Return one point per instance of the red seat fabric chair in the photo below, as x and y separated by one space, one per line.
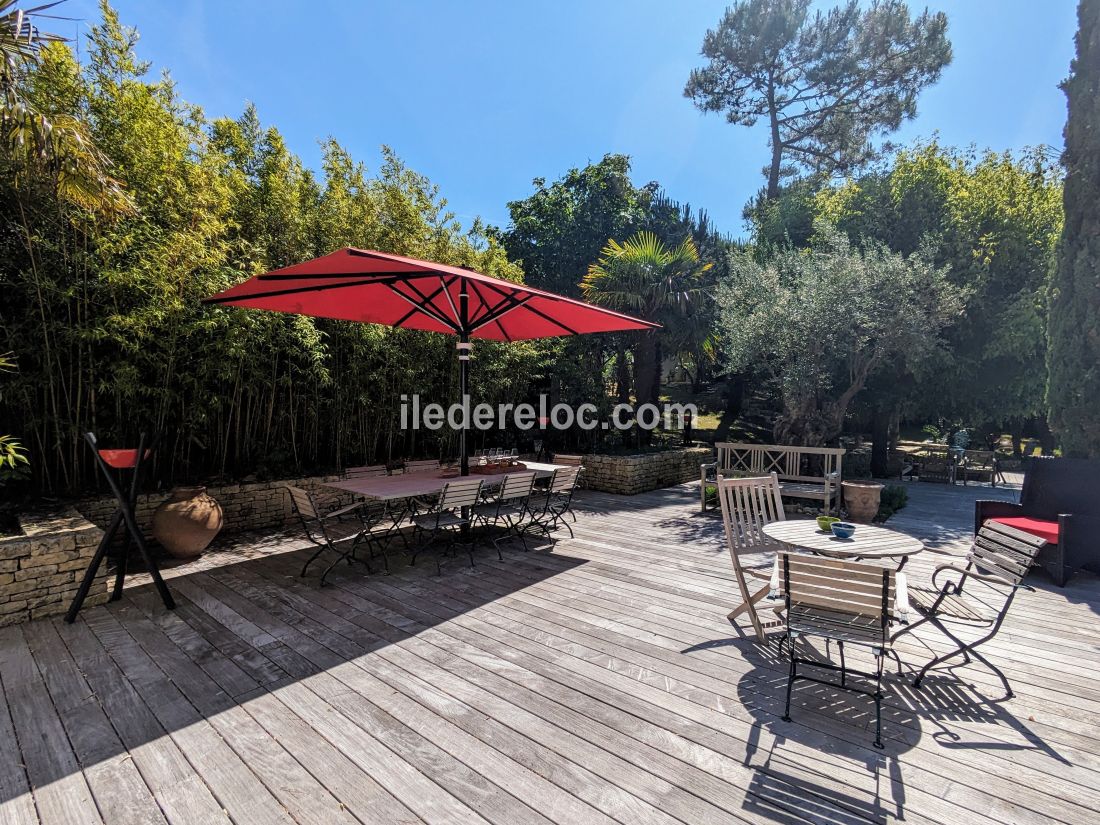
1042 528
1060 502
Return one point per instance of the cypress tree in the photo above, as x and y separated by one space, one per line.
1073 390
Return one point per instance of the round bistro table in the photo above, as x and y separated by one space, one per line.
868 543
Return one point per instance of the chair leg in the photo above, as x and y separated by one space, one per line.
960 649
1009 693
878 701
843 670
312 559
790 678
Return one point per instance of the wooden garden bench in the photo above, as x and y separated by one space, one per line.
804 472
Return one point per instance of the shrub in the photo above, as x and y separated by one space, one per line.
894 497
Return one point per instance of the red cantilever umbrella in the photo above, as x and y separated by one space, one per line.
378 288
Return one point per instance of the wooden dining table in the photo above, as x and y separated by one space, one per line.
427 482
868 543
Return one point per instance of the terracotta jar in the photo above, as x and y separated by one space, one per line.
186 522
861 499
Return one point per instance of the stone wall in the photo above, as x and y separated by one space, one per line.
632 474
41 569
255 506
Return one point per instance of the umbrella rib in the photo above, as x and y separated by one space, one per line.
542 315
445 288
416 307
430 312
228 299
497 313
429 302
489 310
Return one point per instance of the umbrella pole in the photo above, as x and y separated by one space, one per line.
463 378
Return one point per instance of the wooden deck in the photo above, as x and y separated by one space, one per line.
597 683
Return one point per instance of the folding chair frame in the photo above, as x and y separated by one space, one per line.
879 652
1006 555
313 523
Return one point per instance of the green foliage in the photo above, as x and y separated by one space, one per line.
993 221
894 497
826 85
644 277
102 306
822 321
1074 357
561 228
13 458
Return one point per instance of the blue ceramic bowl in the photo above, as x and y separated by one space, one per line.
842 529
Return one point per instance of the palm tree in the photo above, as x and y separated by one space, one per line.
57 140
644 277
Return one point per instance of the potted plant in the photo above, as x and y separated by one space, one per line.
861 499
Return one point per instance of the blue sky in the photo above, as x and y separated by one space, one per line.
482 96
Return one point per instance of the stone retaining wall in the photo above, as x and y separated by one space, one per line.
41 569
254 506
632 474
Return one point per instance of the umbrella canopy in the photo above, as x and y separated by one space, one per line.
378 288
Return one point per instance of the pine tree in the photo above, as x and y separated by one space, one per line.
1074 328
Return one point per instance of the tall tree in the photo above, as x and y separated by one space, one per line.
993 220
1074 356
645 277
822 322
827 85
560 229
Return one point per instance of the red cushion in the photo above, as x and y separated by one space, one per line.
1036 526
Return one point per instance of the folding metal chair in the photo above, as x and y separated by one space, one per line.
133 460
509 505
448 516
999 559
747 505
340 531
842 601
550 510
373 513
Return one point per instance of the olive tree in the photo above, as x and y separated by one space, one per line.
822 321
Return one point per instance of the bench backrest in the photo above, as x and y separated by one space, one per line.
1061 485
788 462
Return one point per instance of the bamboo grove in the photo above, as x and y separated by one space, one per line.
100 307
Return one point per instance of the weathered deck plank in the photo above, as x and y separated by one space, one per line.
599 682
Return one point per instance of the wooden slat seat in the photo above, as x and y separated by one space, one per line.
922 598
859 628
802 489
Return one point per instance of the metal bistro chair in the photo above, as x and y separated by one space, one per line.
747 505
998 560
374 513
509 506
556 503
339 530
449 515
843 601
